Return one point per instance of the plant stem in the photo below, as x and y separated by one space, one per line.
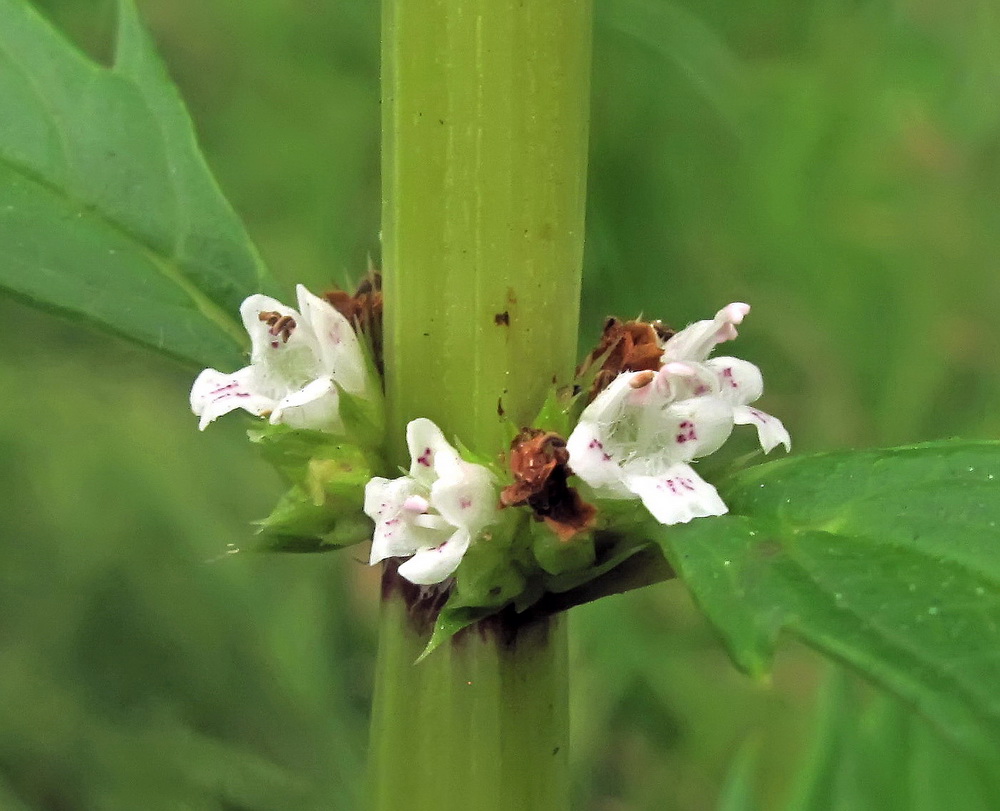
485 114
482 723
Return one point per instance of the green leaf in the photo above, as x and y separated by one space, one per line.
875 754
887 560
108 212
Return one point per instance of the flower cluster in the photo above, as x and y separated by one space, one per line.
433 513
299 362
661 403
638 436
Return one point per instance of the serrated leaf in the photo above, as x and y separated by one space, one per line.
887 560
108 212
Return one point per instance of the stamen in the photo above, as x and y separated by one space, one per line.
280 325
642 380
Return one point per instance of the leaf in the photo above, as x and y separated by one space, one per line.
877 755
108 212
886 560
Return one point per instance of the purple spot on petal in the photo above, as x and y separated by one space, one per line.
465 503
597 445
425 458
677 485
687 434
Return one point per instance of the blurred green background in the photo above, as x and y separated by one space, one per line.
833 162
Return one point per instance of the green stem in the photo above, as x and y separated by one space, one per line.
482 723
485 114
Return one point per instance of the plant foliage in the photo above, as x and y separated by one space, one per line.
108 212
885 559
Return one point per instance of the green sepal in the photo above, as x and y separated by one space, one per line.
322 509
293 450
491 463
632 567
363 418
489 576
298 524
510 432
556 556
450 621
558 413
615 549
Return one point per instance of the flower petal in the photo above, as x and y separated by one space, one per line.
610 404
214 394
433 564
592 462
428 450
681 431
466 496
740 382
679 380
315 406
678 495
696 342
283 354
770 430
336 342
385 504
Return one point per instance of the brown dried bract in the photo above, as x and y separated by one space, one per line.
540 464
364 310
625 346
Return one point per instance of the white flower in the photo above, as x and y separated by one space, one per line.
297 361
434 513
740 382
638 435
